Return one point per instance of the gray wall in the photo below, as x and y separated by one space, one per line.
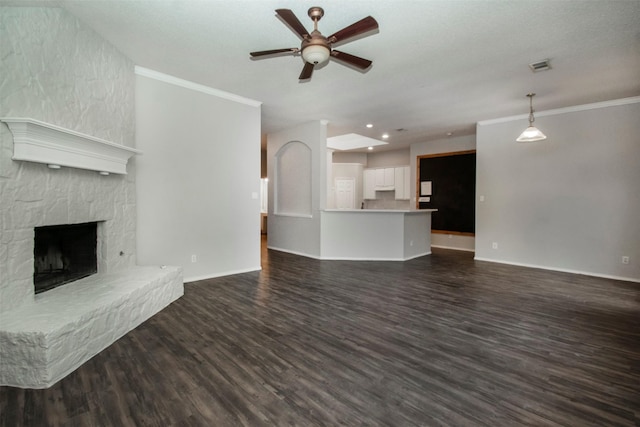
349 157
571 202
388 158
199 178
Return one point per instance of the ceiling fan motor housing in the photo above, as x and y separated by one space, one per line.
315 13
315 50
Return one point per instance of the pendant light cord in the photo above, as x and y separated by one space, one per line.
531 118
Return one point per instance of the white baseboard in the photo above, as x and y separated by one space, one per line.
453 248
374 259
346 258
293 252
563 270
222 274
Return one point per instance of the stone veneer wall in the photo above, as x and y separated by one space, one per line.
57 70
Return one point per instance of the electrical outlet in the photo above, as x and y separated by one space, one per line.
411 243
194 258
494 245
625 259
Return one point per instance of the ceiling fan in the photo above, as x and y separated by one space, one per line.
316 48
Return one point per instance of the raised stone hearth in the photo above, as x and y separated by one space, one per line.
43 341
45 336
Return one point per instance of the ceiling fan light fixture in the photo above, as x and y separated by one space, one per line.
315 54
531 133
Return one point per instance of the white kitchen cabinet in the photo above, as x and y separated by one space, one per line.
407 182
379 173
389 177
402 183
369 182
378 179
384 179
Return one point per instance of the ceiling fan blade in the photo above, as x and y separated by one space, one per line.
293 22
274 51
362 26
307 71
356 61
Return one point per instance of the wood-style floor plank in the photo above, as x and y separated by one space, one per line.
441 340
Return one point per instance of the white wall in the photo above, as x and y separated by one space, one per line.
445 145
571 202
298 233
198 182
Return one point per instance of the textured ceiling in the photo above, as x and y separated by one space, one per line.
438 66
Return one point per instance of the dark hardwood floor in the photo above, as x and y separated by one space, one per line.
441 340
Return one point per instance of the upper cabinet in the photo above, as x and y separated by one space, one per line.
387 179
369 182
402 183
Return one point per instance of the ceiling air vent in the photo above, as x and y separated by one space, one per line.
540 66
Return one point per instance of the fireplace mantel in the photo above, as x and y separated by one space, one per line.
40 142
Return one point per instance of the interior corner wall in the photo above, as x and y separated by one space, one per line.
568 203
299 234
198 180
444 145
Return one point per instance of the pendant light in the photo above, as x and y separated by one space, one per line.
531 133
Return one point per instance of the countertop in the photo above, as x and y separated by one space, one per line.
404 211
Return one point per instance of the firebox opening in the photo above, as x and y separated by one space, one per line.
63 254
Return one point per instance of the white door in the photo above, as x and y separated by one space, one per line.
345 193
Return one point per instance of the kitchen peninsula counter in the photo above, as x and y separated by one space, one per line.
375 234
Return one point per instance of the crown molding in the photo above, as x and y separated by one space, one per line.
145 72
565 110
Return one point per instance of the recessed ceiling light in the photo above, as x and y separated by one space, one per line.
369 125
370 148
385 135
449 133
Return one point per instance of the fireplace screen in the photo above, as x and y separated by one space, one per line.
64 253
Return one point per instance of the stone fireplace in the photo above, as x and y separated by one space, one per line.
62 73
46 335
